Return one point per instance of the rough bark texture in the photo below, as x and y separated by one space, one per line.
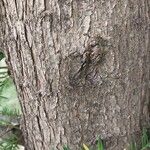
81 68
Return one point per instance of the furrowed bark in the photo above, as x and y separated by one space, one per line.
81 69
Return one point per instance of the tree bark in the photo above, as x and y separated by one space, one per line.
81 69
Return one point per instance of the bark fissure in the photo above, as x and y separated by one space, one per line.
73 87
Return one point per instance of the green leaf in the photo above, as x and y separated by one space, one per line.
65 147
5 123
10 143
146 146
133 146
144 138
1 56
10 112
4 84
3 97
100 145
8 91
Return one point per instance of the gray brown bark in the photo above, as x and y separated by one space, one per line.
81 69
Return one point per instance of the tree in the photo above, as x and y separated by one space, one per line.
80 68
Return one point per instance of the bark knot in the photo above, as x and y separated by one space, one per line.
92 57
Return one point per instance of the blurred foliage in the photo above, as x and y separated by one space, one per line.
9 109
10 143
8 94
1 55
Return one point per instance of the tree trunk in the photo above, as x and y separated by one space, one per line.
81 69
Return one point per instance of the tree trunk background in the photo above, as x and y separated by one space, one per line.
81 69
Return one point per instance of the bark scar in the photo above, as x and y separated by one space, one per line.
93 55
